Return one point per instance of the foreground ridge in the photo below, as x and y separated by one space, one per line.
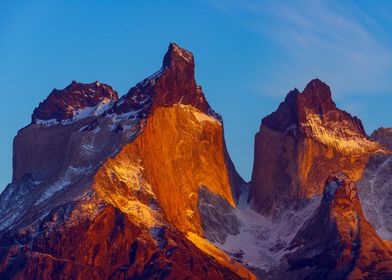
338 242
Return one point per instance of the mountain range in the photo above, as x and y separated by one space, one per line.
142 187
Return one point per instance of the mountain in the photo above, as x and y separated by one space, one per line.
337 242
296 150
107 187
300 144
142 187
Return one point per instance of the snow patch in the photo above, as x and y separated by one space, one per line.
262 240
79 114
200 116
72 174
151 79
116 119
47 122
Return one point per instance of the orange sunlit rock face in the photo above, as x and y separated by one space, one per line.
157 177
301 143
110 246
179 151
107 188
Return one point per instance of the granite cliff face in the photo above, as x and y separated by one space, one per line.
300 144
45 146
189 145
109 188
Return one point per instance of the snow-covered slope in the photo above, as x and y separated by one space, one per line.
262 240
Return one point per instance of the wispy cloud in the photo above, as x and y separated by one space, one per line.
337 41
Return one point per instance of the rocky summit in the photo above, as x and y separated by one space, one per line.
300 144
74 102
142 187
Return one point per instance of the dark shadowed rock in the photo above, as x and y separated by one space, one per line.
383 136
338 242
218 217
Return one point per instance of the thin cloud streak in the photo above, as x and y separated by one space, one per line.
336 41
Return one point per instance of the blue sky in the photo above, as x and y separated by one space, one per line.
248 53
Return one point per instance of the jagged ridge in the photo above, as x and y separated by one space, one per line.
74 102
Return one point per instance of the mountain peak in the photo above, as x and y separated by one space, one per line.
296 137
176 55
174 83
317 97
65 104
311 110
316 85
